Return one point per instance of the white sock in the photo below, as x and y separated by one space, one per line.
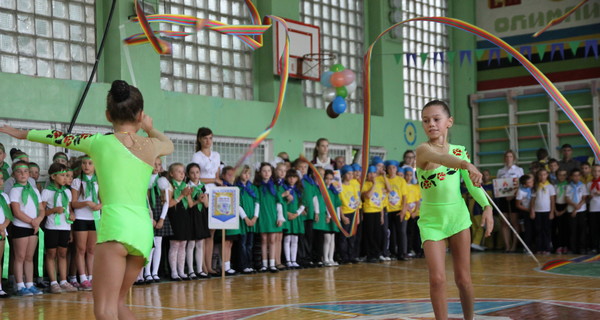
20 285
265 263
173 252
62 282
227 265
287 240
325 248
53 283
331 246
189 255
140 275
83 278
72 278
199 255
156 255
149 264
271 262
28 285
89 277
181 258
294 248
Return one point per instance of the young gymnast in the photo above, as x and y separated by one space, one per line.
444 214
123 163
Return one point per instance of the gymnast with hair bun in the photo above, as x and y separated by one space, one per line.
124 162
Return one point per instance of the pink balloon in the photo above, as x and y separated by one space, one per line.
349 76
338 79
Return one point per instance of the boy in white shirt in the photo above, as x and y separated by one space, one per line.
576 197
543 211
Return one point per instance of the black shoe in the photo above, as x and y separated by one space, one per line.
263 269
319 264
281 267
148 279
4 295
192 276
175 279
273 270
203 275
139 282
230 272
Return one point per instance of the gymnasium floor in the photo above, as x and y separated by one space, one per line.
507 286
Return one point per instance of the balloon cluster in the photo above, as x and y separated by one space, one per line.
339 83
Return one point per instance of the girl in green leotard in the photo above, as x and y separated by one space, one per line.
123 162
444 214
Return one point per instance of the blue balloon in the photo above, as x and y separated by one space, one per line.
339 105
326 79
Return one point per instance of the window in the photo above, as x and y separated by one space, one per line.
341 26
230 149
48 38
423 83
207 62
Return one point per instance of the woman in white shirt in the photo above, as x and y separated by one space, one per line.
321 155
210 172
507 205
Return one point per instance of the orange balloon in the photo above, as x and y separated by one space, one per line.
338 79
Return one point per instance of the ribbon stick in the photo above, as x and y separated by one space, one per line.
559 19
513 229
535 72
329 203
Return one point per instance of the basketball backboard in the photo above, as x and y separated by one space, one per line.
305 40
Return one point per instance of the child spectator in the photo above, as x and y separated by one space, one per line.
576 199
543 211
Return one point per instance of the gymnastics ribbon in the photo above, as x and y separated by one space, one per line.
548 86
329 203
559 19
159 45
251 35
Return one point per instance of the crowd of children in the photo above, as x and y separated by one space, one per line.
557 205
284 220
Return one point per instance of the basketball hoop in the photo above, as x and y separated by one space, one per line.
311 65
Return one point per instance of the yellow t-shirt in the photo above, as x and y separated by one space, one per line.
399 190
350 198
376 201
356 183
413 196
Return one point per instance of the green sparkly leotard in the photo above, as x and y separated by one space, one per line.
443 210
123 179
